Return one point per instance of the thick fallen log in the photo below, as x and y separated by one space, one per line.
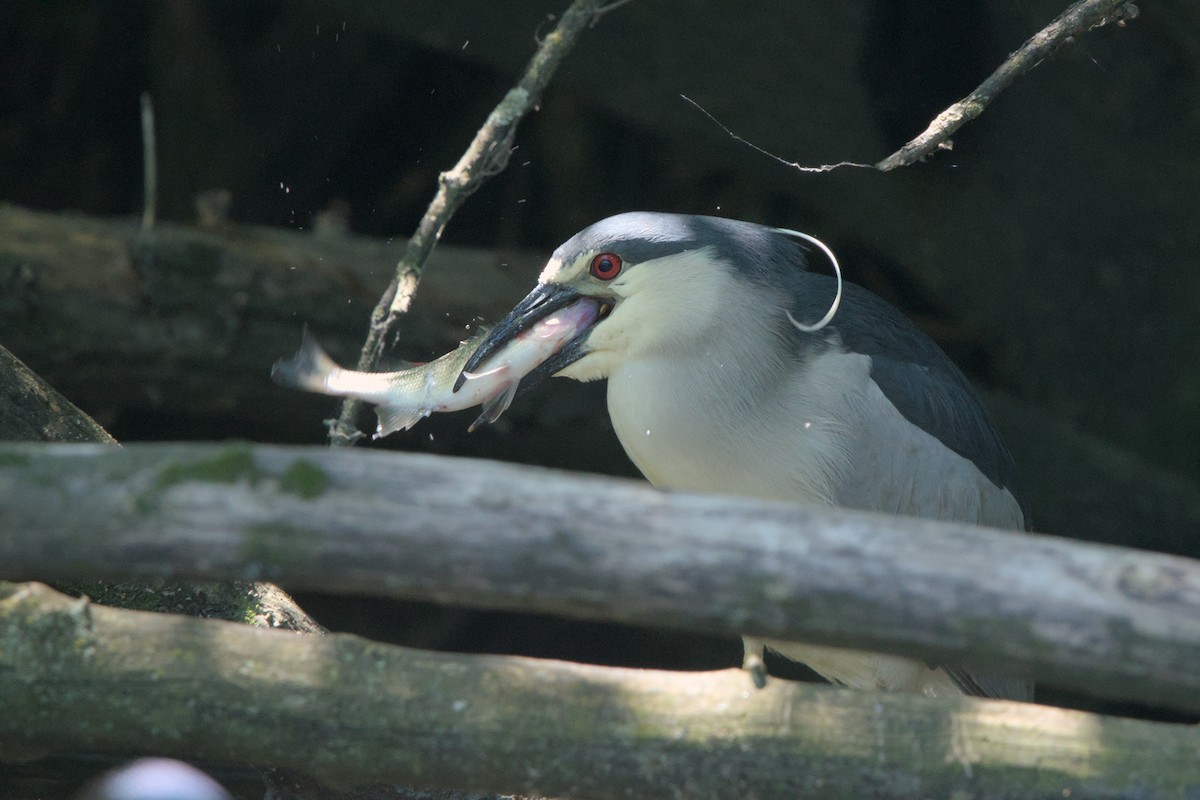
1109 621
31 410
351 712
180 329
174 335
187 321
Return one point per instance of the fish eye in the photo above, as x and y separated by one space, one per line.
606 266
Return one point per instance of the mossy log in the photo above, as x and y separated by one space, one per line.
1114 622
347 712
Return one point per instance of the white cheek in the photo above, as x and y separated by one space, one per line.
611 333
594 366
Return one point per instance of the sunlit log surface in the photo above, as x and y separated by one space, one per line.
351 712
1114 622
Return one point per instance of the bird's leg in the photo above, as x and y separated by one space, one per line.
752 660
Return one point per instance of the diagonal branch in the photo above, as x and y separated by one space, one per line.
486 156
31 410
1081 17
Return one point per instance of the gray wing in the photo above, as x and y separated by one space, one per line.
928 446
922 385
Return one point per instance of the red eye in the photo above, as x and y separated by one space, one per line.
606 266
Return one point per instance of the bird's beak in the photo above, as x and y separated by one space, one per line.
537 305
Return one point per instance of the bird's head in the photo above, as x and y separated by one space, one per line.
662 284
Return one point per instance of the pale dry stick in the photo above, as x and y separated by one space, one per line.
149 164
486 156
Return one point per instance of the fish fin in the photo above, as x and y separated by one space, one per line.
308 369
496 405
397 418
476 375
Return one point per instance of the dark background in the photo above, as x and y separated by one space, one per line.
1052 252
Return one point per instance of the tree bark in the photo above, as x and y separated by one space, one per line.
31 411
351 712
1105 620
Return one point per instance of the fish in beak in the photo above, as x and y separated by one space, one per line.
538 306
490 379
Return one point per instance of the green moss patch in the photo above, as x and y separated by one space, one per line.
233 464
304 479
15 459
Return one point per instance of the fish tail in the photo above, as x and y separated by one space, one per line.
309 369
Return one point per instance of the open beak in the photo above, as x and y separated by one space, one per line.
537 305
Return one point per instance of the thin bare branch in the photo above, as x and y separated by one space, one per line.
1081 17
486 156
793 164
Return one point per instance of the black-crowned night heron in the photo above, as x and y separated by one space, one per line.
716 384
